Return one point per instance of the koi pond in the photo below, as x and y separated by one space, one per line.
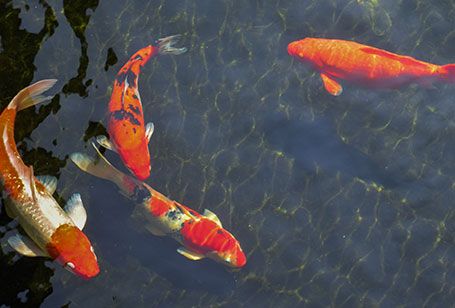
337 201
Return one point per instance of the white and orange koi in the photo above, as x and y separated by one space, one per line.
200 235
51 231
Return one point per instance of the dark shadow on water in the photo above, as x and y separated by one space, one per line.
316 143
19 49
33 276
203 275
77 14
17 57
158 254
94 129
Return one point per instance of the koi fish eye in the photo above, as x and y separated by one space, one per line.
70 266
221 258
93 251
227 260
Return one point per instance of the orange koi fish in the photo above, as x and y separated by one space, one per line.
51 231
129 136
339 60
201 235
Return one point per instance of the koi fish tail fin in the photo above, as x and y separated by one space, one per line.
165 45
447 73
31 95
102 168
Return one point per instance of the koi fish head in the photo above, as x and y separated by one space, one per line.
233 256
71 248
300 49
228 250
139 165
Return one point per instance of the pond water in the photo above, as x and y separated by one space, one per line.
337 201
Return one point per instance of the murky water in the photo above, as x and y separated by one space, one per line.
338 201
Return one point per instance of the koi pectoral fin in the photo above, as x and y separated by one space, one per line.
332 86
149 131
25 246
212 216
9 211
76 211
50 182
106 143
190 254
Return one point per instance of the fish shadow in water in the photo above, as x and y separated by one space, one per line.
162 257
316 143
127 236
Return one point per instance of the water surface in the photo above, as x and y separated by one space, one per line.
338 201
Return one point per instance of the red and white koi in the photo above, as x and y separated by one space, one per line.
51 231
129 136
201 235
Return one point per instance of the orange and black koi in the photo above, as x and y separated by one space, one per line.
129 136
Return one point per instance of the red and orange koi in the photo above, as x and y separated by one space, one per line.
340 60
51 231
200 235
129 136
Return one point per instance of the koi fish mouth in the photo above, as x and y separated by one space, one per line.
297 49
236 259
292 48
86 274
142 173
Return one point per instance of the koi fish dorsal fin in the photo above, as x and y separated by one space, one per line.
184 210
212 216
76 211
25 246
190 254
50 182
332 86
384 53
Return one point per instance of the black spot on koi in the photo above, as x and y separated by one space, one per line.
172 215
140 194
125 115
135 109
129 75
